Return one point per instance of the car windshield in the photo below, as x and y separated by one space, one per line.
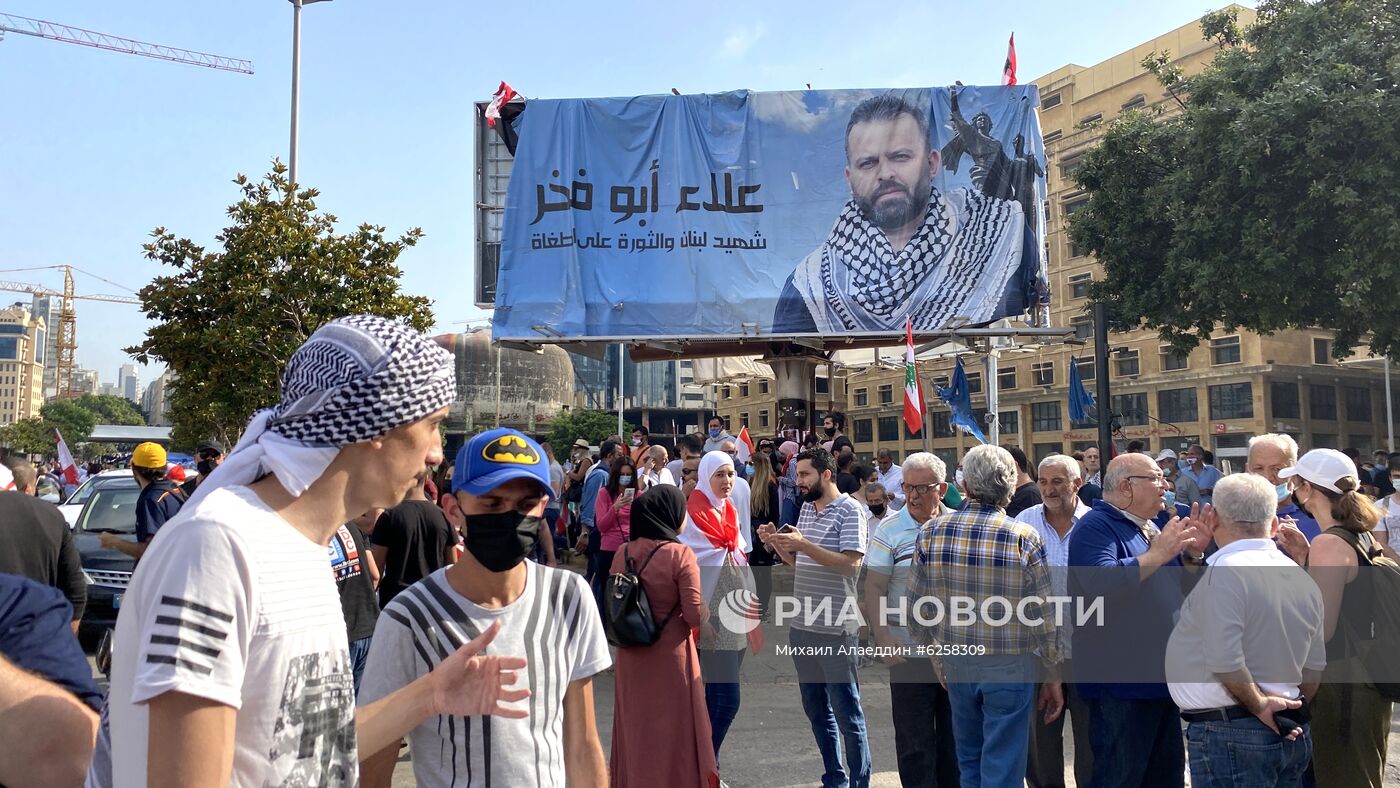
112 507
84 492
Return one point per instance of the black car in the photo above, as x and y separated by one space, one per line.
111 509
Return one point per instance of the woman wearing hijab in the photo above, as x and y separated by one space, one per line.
674 748
721 550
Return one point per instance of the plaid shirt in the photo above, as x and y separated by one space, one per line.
978 552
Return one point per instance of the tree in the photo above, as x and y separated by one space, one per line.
29 436
72 420
110 409
1268 197
591 425
227 321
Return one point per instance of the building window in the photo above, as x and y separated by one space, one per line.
1225 350
1045 416
974 382
1324 440
763 387
1052 136
1173 361
1051 101
1322 402
1083 326
1074 249
860 397
1136 102
1232 401
743 389
1071 165
1043 450
910 435
727 392
1079 286
1283 399
1177 405
1131 409
823 385
862 430
1322 351
886 394
1091 120
1010 422
1006 378
1043 373
942 424
889 428
763 418
1358 403
941 381
1087 370
1127 364
743 419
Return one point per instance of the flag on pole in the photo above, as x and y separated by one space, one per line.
959 399
913 389
745 445
1081 403
65 459
499 99
1008 70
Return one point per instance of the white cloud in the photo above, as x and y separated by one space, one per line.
738 43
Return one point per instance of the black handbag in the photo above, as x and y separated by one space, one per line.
627 618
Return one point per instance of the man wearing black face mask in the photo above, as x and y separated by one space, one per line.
499 490
211 456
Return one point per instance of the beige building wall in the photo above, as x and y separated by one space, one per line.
22 342
1238 385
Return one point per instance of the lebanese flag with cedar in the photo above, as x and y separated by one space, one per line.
745 448
65 460
913 389
502 97
1008 71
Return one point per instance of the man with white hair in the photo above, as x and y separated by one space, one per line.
231 664
923 718
979 554
1059 481
1248 647
1268 455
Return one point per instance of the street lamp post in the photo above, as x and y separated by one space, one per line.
296 80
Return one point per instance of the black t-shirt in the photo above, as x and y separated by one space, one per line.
841 440
35 543
1026 496
417 536
348 564
35 636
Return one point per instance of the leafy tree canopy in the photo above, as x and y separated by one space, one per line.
1266 195
29 436
226 321
73 421
591 425
110 409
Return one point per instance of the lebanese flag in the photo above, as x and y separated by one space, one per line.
913 389
65 460
1008 71
502 96
745 448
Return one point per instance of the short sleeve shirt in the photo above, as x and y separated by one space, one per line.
824 593
890 552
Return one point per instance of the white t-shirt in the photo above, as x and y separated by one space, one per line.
554 625
233 604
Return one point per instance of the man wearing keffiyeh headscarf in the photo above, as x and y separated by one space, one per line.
230 648
903 249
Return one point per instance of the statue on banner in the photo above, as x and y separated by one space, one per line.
901 248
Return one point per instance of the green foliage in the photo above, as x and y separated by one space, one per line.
29 436
228 320
111 410
1271 200
73 421
591 425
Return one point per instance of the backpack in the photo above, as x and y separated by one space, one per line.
1377 648
627 618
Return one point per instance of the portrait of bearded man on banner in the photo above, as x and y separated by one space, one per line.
901 248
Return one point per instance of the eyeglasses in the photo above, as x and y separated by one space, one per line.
921 489
734 453
1157 480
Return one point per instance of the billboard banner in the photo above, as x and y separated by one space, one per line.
804 213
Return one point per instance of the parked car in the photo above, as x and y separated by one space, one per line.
109 508
72 507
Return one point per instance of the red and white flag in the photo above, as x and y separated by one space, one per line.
745 448
502 97
1008 71
65 460
913 388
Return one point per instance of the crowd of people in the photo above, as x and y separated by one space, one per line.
452 623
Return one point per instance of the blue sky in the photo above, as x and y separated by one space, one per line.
100 147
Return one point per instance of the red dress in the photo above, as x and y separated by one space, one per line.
659 694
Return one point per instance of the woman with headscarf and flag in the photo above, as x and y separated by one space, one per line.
721 550
664 676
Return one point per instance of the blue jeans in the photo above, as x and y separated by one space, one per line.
831 699
1136 743
991 717
721 696
1245 754
359 654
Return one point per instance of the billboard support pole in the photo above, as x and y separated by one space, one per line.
498 384
621 375
993 423
1105 415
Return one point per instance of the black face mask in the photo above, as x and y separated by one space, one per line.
205 467
501 541
878 511
830 431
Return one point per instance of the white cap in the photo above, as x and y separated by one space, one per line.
1166 454
1323 467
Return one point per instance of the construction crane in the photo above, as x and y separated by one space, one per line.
77 35
67 320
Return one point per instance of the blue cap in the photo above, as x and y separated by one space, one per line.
495 457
